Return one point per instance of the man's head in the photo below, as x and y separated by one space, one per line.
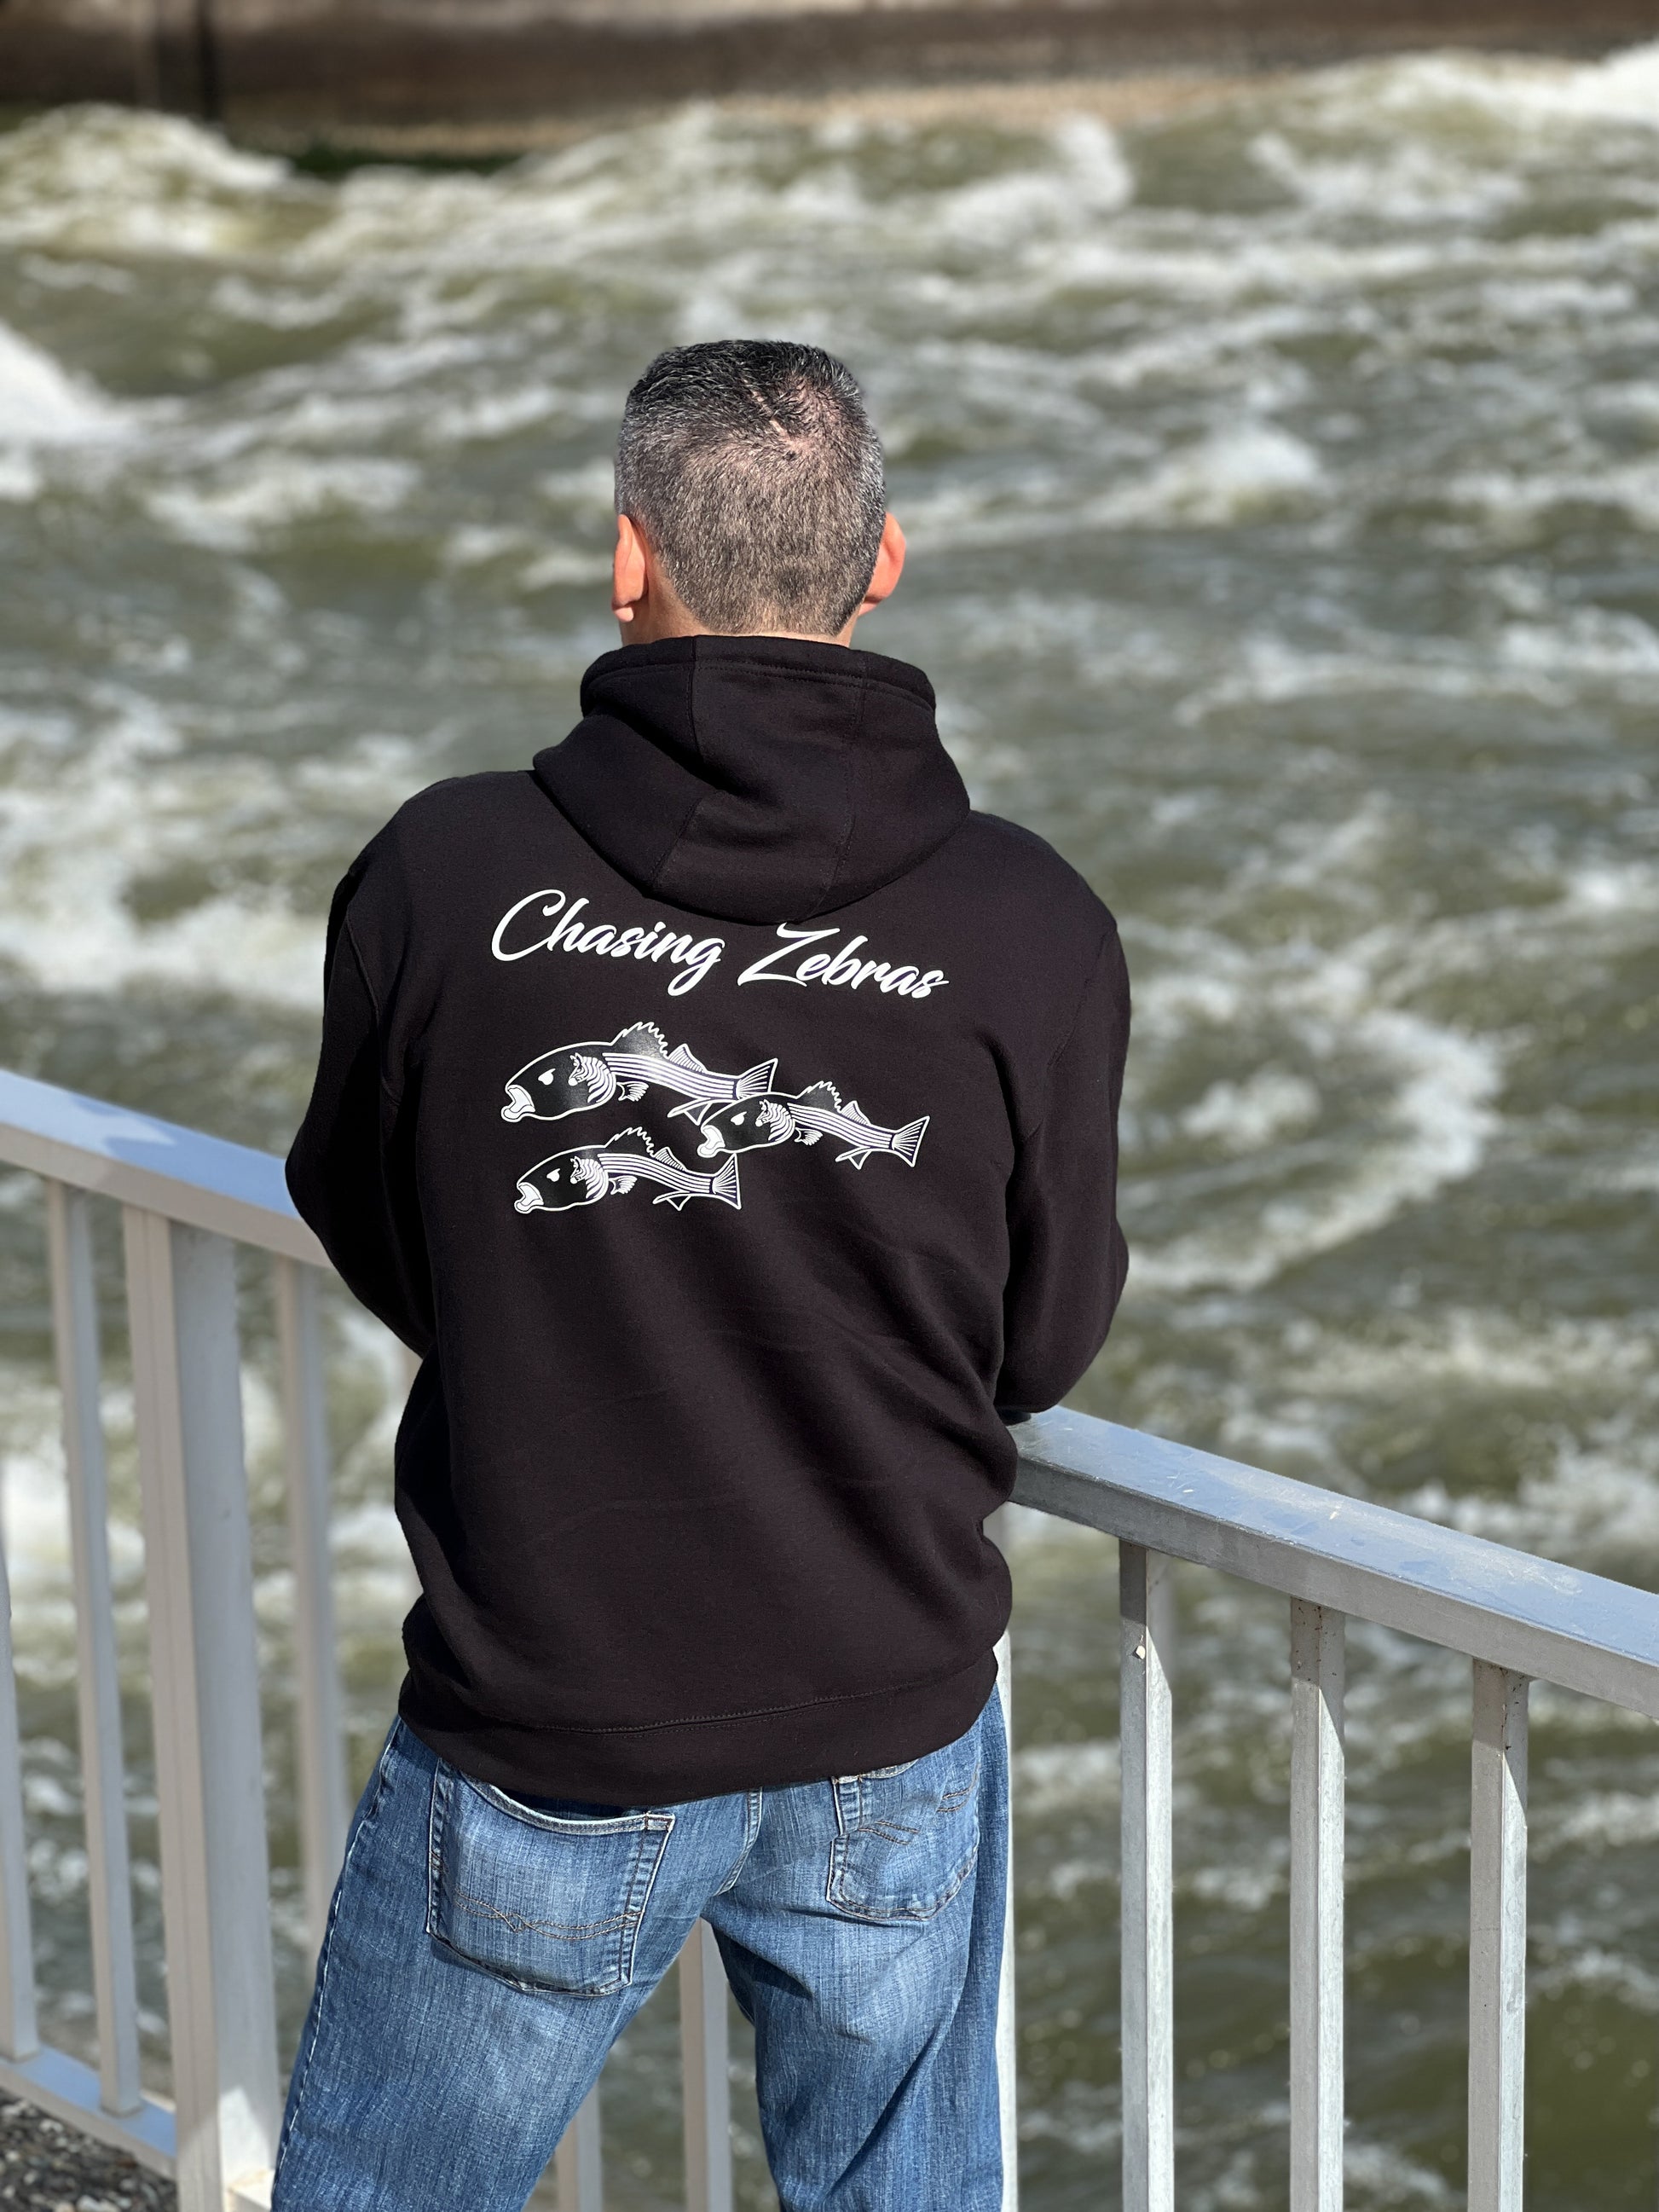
750 497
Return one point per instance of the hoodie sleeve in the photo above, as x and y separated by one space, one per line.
351 1170
1066 1255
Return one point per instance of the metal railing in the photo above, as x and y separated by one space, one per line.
186 1200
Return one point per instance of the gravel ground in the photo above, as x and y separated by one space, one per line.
46 2166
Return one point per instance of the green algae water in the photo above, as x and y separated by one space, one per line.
1282 480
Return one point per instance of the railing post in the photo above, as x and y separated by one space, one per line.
1148 1913
704 2056
316 1667
1007 2026
181 1303
18 2037
1498 1940
578 2167
75 1331
1317 1803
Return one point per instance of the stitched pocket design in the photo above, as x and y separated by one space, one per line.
907 1836
538 1900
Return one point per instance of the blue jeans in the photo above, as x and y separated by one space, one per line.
482 1957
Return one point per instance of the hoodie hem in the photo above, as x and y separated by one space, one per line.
668 1762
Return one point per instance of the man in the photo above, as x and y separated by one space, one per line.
726 1115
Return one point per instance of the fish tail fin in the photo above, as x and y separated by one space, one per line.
907 1143
724 1185
755 1082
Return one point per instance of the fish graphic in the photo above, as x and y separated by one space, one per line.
573 1077
746 1126
587 1173
807 1115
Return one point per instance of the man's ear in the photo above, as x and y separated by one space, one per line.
627 570
889 566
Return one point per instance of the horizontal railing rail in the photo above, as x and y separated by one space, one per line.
202 1182
186 1199
1507 1608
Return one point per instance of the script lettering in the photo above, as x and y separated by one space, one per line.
838 968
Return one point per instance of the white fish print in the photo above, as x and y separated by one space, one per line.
586 1173
573 1079
807 1115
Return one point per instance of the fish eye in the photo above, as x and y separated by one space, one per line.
546 1076
738 1121
554 1176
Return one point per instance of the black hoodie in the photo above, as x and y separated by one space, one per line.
727 1117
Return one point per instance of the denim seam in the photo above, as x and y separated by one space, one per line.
558 1824
437 1816
303 2082
574 1931
930 1910
642 1882
851 1800
752 1828
639 1881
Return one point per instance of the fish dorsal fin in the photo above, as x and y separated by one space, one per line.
622 1137
682 1056
641 1036
855 1112
823 1094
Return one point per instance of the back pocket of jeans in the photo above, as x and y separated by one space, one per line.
540 1900
907 1836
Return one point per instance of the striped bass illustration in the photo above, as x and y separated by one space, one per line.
572 1079
587 1173
807 1115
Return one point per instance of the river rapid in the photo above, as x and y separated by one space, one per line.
1281 473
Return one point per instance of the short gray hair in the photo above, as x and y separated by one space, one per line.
755 474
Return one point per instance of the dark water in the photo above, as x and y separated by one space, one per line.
1282 479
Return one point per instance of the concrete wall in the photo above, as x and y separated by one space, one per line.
326 65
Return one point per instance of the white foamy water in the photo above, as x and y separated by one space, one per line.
1282 480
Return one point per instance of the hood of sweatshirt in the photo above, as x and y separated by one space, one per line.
756 779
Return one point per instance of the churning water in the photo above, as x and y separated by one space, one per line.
1282 478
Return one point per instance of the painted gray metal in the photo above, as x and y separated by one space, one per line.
705 2047
1505 1607
320 1724
71 2093
1497 1940
204 1182
98 1686
1148 1947
18 2037
1007 2026
1317 1807
209 1783
579 2162
1517 1616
